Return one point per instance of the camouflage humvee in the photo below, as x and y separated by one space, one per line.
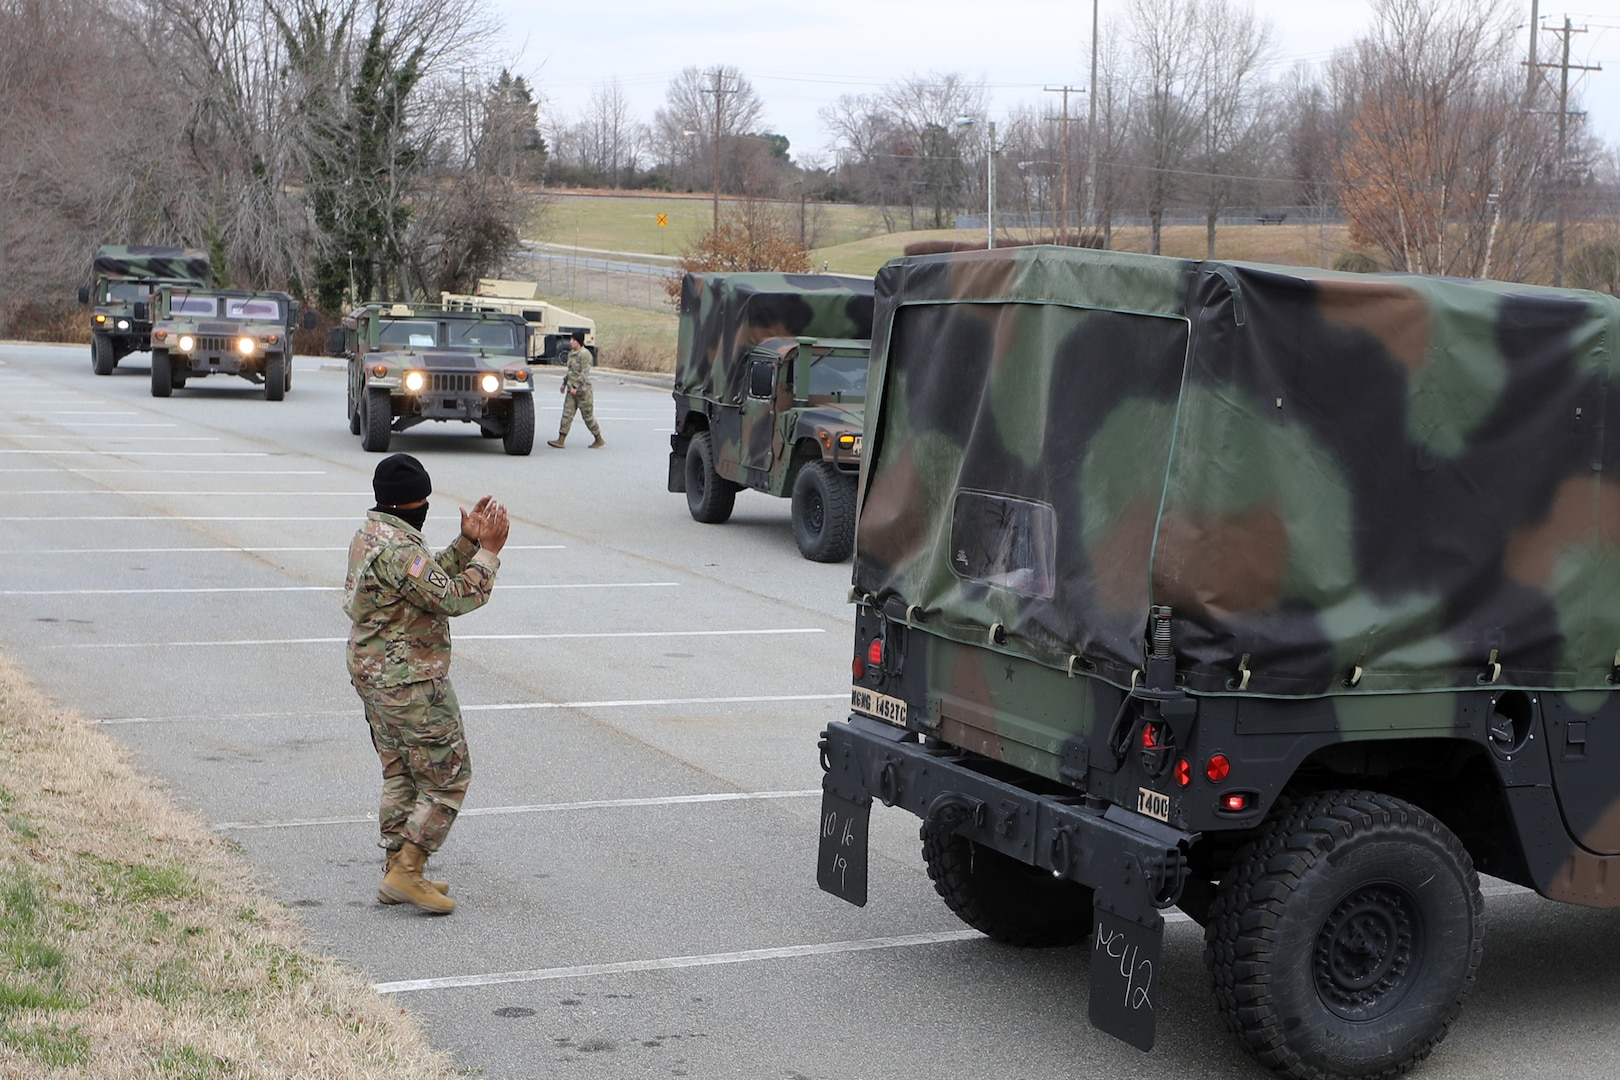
126 277
198 332
550 326
770 380
1287 597
409 363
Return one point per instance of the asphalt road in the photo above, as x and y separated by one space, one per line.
635 869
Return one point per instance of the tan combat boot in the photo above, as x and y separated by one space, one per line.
404 883
443 887
557 442
599 442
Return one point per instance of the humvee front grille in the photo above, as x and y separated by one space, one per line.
450 383
215 344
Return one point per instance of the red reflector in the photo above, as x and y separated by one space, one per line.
1234 802
858 668
874 651
1183 772
1150 736
1218 768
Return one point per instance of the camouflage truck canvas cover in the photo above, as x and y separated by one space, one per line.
146 261
1340 484
723 316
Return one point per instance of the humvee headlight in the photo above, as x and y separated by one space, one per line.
186 342
415 380
123 324
101 318
246 345
490 382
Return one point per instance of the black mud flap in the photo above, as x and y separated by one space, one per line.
1124 973
841 862
677 472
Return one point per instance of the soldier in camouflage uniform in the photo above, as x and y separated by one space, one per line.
401 598
576 389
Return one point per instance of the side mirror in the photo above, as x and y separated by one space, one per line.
310 319
142 310
84 294
334 341
761 378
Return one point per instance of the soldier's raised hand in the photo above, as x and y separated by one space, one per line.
472 524
496 527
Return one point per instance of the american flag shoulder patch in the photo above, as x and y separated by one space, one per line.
418 565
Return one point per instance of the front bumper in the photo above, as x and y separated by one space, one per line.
1135 865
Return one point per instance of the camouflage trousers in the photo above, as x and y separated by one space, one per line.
417 731
585 401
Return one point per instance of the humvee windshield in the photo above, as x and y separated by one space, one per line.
482 335
194 305
407 334
843 377
256 308
127 290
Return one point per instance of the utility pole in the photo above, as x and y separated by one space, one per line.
719 90
1091 131
1564 68
1530 76
1063 184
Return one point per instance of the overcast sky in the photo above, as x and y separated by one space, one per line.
802 55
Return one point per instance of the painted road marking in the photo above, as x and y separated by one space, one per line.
315 588
517 706
459 637
120 491
149 453
539 808
216 550
176 472
670 963
162 517
130 438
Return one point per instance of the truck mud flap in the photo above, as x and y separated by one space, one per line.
677 472
1135 866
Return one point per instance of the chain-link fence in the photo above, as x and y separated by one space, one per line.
569 276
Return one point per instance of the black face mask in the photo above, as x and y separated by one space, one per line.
413 517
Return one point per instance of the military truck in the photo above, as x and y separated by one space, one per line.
1287 597
770 380
410 363
124 277
198 332
550 326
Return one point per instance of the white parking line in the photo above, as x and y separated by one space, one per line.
459 637
149 453
670 963
316 588
121 423
539 808
518 706
164 517
121 491
130 438
76 471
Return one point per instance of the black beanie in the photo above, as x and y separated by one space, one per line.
400 479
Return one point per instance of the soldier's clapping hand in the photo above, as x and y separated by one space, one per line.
495 528
472 523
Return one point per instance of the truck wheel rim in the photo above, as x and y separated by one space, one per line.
1367 953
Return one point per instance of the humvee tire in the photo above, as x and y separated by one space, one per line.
287 385
1009 901
162 373
824 513
709 496
377 421
519 437
354 411
102 358
1345 937
275 376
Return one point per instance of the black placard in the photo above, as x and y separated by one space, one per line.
1124 977
841 864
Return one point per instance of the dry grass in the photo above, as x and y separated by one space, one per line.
632 339
134 942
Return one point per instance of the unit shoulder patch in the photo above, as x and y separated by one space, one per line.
437 579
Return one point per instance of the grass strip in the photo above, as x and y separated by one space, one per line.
136 943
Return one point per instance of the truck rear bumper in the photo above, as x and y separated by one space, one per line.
1135 865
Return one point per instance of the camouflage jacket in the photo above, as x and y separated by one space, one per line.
401 598
579 368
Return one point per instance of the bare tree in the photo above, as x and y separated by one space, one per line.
1231 104
1164 39
684 129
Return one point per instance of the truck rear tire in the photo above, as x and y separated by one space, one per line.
1010 901
824 513
519 436
1345 937
710 497
377 421
102 357
275 376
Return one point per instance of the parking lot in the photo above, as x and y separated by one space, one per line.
635 867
